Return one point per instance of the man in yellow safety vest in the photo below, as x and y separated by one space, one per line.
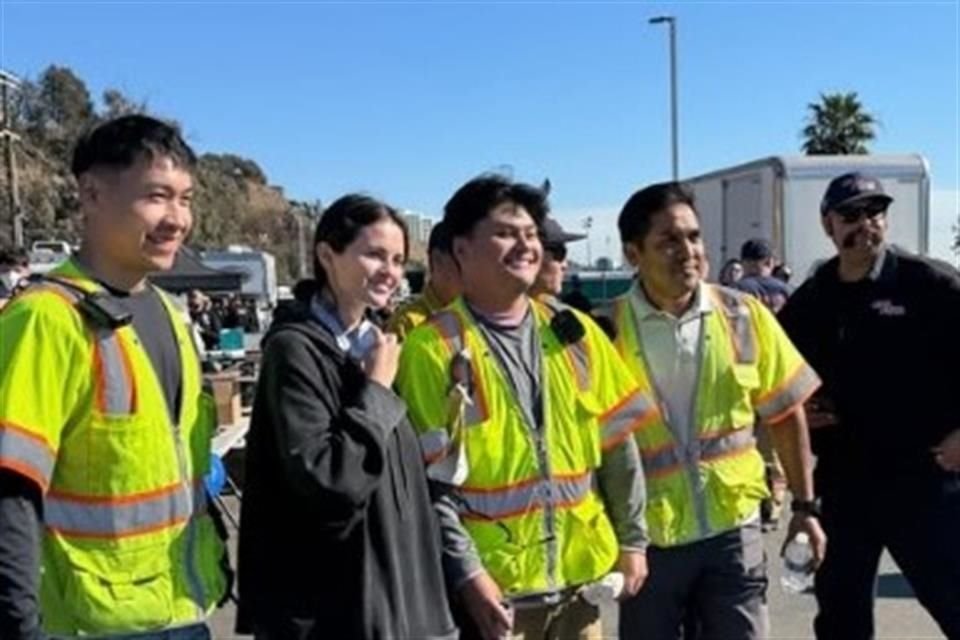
525 413
104 427
714 359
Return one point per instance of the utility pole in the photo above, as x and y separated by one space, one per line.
587 224
9 83
671 23
298 211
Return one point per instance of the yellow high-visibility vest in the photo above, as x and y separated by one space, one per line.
509 484
748 368
127 543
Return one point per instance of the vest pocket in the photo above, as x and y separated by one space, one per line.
126 455
589 543
120 592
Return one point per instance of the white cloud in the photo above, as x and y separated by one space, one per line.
604 239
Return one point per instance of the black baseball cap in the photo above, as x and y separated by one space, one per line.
851 188
552 234
756 249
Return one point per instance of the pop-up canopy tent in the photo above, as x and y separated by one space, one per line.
189 272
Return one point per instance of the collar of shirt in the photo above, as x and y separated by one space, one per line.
355 342
645 310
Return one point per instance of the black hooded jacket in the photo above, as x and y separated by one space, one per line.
338 538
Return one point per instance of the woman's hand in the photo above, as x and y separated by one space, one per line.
383 359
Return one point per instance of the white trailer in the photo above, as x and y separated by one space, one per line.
778 198
258 267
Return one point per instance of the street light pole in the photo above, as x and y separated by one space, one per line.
671 22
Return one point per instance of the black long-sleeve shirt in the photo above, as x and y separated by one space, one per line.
884 347
19 557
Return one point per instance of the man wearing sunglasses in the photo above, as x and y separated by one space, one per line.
879 326
554 267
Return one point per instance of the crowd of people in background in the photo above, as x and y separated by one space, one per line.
493 458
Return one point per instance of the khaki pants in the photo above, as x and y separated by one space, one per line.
572 619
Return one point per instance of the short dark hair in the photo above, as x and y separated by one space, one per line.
440 239
636 217
118 143
341 223
473 202
14 257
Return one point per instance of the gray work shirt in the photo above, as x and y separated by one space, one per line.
517 349
619 478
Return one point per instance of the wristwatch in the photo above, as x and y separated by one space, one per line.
806 507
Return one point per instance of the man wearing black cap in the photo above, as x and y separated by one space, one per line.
554 239
879 325
443 285
758 261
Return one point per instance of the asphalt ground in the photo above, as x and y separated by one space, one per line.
898 614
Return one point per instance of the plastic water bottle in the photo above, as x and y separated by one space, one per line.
604 591
797 565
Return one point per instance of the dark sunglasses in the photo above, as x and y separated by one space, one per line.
853 213
557 252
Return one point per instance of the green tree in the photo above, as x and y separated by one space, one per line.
838 124
58 109
117 104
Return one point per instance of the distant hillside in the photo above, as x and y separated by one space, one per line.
234 203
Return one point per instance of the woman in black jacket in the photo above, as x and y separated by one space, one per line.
337 537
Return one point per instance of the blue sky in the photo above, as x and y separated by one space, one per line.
408 100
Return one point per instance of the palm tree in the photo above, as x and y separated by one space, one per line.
838 124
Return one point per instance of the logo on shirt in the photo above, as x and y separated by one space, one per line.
888 308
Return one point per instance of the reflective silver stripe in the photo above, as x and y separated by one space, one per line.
114 519
452 332
434 444
26 454
581 364
804 382
626 418
740 323
662 461
116 393
525 497
579 355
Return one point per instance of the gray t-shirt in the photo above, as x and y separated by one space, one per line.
155 332
517 349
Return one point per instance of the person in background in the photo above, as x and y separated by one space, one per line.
554 239
880 325
730 272
714 359
758 260
758 264
14 271
338 538
443 285
104 427
235 313
204 319
525 413
783 272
